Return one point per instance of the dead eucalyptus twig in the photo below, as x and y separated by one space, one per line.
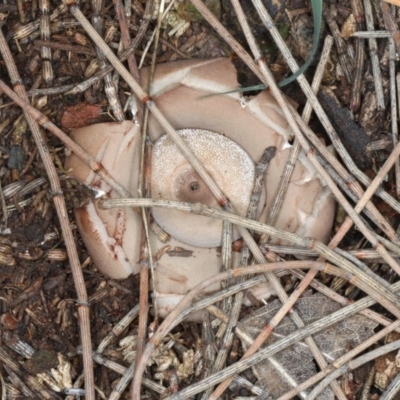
59 203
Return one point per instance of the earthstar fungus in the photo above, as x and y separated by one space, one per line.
228 135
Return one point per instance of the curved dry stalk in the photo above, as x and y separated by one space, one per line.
182 310
62 213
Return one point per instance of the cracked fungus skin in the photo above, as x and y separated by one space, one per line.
173 178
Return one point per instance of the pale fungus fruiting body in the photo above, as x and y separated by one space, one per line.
228 136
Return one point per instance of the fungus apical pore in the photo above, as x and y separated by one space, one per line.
228 137
174 178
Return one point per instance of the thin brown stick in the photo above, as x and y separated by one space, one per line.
110 89
393 109
373 49
59 203
391 24
45 53
126 42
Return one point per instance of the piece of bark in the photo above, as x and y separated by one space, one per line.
353 137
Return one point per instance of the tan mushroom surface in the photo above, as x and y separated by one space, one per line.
228 135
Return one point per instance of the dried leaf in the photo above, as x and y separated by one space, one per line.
296 364
80 115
